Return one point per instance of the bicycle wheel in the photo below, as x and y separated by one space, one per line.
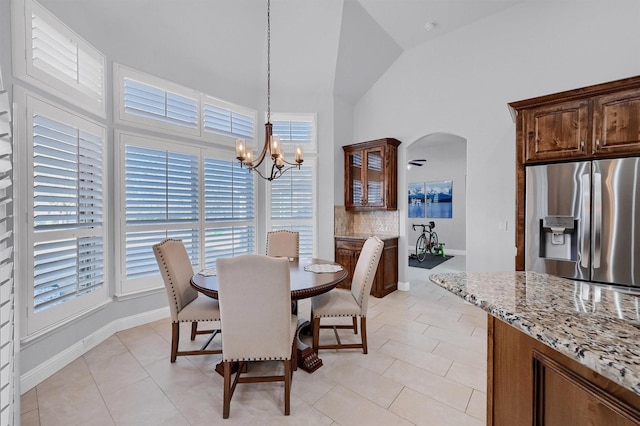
421 248
434 248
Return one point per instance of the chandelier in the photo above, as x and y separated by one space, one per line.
272 147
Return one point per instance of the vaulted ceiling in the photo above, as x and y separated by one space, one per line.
317 46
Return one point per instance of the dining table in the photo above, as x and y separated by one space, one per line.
305 283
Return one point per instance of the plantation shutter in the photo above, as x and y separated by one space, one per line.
153 103
299 132
57 60
229 210
7 295
292 198
67 196
226 122
161 190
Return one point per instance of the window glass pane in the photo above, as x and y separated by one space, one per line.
229 191
161 186
228 242
292 198
229 197
55 174
141 261
294 132
158 104
65 269
226 122
292 195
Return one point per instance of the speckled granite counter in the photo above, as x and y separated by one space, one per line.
597 326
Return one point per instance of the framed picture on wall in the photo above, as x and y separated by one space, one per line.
416 200
439 199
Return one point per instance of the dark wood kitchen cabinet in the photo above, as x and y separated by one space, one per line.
347 251
370 175
593 122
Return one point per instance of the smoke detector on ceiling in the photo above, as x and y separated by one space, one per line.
429 26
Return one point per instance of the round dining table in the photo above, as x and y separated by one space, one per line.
304 284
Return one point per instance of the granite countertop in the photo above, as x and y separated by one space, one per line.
596 325
365 235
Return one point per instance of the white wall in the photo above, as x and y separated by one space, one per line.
461 84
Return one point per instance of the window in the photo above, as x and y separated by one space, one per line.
292 198
57 59
161 200
64 201
183 192
7 292
293 204
157 104
225 119
154 103
229 210
296 129
147 101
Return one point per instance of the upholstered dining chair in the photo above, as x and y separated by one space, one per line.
255 307
348 303
184 303
283 244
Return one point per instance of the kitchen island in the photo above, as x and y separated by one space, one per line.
559 351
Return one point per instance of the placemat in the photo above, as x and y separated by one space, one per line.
208 272
319 268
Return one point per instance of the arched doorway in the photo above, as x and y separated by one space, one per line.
445 160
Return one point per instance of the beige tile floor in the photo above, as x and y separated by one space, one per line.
426 366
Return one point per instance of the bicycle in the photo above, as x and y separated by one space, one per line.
426 244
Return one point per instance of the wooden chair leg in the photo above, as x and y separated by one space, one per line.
355 325
363 332
294 354
287 388
316 334
175 336
226 405
194 330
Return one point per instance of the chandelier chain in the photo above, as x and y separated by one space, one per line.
268 61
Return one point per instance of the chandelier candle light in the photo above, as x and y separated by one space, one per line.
272 144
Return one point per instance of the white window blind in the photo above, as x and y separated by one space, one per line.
140 259
147 101
229 210
292 205
161 197
225 120
296 129
67 196
51 56
7 295
150 102
63 57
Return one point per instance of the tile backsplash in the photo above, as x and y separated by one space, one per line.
376 222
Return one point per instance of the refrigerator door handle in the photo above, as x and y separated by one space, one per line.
584 231
597 219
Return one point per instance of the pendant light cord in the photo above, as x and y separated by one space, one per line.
268 61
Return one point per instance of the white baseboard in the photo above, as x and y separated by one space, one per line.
37 375
404 286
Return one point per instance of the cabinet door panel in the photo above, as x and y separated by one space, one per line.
375 178
354 191
565 398
617 122
556 132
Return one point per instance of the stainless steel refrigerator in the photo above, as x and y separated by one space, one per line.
583 220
